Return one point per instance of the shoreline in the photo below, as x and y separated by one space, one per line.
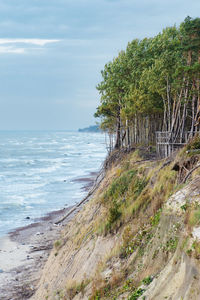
24 251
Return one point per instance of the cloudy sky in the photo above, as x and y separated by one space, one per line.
52 51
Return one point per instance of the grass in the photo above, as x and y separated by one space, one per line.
136 294
171 244
147 280
194 217
192 214
122 191
73 288
138 242
58 244
119 186
129 194
156 218
194 143
133 189
196 247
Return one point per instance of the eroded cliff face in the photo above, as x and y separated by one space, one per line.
137 238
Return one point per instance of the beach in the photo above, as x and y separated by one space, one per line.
24 251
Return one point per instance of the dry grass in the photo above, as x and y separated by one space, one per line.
73 288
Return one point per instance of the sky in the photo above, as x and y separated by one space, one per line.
52 52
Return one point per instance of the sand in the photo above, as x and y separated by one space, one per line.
24 252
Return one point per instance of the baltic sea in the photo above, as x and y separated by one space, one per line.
39 172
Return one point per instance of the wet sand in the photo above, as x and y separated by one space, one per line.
24 251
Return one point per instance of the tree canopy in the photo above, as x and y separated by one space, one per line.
155 80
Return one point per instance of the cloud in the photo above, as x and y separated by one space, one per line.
38 42
11 50
15 45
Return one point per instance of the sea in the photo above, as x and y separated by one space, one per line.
40 172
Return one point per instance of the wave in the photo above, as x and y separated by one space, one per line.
37 172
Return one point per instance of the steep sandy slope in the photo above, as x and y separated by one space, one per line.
137 238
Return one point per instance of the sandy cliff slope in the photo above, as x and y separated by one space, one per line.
137 238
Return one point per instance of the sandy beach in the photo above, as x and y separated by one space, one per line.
24 251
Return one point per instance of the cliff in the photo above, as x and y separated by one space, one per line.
138 237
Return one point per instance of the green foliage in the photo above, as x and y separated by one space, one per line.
115 194
156 218
194 217
138 186
184 206
132 243
194 143
128 285
152 76
147 280
125 188
196 247
137 294
58 244
119 186
171 244
114 213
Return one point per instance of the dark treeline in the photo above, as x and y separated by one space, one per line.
154 85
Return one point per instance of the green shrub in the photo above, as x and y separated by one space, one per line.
138 186
147 280
156 218
119 186
171 244
137 294
194 143
114 212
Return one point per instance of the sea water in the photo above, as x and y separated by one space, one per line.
38 172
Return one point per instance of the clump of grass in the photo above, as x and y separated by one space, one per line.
137 242
184 207
73 288
100 288
128 243
58 244
138 186
128 285
147 280
114 213
171 244
156 218
121 192
119 186
111 288
118 172
137 294
133 192
194 217
194 143
161 189
196 247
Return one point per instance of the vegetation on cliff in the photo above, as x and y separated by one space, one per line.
153 85
138 236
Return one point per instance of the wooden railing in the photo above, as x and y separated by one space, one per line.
167 142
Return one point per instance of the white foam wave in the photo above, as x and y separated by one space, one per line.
43 167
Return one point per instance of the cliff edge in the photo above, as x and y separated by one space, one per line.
138 237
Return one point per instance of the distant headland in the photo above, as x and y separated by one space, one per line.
92 128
